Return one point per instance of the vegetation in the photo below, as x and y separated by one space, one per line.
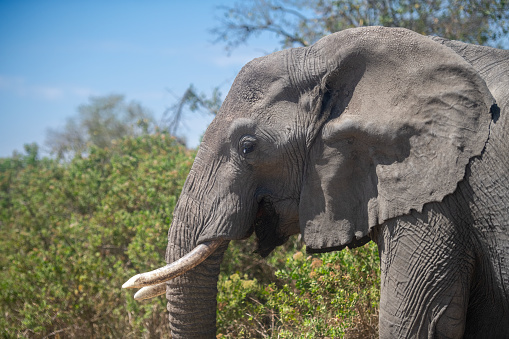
294 295
100 122
191 101
73 232
301 23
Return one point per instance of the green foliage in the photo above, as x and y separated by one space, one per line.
72 233
329 295
301 23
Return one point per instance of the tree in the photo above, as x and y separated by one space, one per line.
301 23
73 232
98 123
193 101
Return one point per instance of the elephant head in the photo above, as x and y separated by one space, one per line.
330 141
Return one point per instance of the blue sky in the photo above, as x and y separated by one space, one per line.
54 55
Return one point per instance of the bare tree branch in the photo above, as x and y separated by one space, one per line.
301 23
194 102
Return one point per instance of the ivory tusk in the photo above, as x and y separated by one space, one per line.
150 291
179 267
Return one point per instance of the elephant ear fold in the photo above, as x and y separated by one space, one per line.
399 135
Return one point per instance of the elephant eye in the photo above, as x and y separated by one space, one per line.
247 145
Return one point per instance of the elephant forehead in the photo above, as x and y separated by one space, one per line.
258 80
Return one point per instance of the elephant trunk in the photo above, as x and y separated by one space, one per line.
192 299
189 279
192 295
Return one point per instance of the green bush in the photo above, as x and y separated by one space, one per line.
328 295
73 233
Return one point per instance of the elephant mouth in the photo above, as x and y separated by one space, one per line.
266 227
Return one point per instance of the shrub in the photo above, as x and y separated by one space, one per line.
328 295
73 233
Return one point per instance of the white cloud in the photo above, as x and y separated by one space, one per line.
47 92
13 84
18 86
108 46
82 92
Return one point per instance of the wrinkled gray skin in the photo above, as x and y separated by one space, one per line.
370 134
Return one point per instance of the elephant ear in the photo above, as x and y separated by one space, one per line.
405 116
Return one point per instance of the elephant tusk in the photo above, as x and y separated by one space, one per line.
179 267
150 291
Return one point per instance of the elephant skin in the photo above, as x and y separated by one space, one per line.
370 134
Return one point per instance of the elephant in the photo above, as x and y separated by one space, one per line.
370 134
